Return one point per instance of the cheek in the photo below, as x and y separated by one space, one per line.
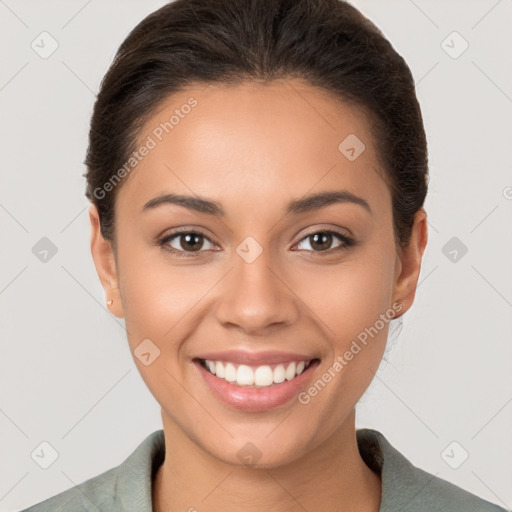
348 297
156 293
356 349
158 305
353 302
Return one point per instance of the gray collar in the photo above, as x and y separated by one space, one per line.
404 487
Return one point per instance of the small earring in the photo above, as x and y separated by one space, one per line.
110 302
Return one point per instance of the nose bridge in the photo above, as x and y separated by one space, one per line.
255 296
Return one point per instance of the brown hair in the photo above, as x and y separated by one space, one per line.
326 43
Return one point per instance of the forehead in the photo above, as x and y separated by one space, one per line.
254 142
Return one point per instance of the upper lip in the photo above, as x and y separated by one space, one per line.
255 358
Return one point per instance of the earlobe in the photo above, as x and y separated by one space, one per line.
104 261
410 263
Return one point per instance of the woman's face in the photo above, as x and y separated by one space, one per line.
262 285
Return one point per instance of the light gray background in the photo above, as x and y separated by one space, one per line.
67 375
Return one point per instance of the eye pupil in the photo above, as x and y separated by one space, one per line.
193 239
190 242
322 241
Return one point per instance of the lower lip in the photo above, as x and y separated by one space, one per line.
256 399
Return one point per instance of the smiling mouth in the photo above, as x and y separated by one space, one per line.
261 376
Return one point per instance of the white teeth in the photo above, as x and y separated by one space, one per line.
290 371
244 376
279 374
219 369
230 372
261 376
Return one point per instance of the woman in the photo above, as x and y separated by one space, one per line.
257 172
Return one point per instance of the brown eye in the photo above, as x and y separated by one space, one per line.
190 241
185 242
321 241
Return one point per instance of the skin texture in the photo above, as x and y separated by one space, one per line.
253 148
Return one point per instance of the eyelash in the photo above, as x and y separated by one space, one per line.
346 242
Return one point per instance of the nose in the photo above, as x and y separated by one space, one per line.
256 296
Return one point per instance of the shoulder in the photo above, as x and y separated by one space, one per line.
98 491
117 489
408 488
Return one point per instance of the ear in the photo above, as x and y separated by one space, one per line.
105 262
409 263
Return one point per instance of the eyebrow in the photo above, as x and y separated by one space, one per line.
307 204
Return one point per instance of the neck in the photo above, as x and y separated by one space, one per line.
191 479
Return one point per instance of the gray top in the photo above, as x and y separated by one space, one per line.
405 488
